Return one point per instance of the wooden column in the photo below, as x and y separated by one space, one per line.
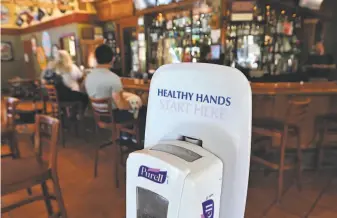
88 48
114 9
122 24
223 24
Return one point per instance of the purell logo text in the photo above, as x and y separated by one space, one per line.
208 209
155 175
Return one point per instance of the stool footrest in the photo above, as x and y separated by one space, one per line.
270 164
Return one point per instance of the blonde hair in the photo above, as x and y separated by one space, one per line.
63 62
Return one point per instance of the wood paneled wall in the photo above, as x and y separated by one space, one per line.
62 21
114 9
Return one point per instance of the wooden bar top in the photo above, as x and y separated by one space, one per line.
281 88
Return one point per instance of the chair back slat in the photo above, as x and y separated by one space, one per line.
102 110
53 100
297 110
46 131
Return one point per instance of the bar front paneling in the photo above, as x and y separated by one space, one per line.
270 100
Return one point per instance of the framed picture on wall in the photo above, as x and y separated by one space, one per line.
5 16
6 51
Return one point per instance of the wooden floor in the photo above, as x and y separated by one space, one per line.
86 197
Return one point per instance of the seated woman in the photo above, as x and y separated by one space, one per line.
65 75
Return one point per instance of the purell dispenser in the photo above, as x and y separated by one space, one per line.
197 145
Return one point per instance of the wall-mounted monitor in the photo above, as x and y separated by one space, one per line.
312 4
164 2
215 51
144 4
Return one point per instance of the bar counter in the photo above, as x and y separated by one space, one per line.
271 100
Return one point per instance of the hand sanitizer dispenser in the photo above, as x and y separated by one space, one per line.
197 145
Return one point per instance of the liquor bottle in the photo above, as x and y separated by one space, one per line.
240 30
228 31
265 57
169 25
260 14
255 13
260 30
295 64
282 44
233 30
273 22
277 46
246 29
204 23
254 30
298 22
209 39
228 15
287 27
268 14
292 23
187 56
280 23
174 24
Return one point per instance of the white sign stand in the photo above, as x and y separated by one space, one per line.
211 103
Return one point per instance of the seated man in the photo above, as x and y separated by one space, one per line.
102 83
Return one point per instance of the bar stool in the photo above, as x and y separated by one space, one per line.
326 125
104 118
272 128
60 109
24 173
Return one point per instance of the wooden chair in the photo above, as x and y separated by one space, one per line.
326 125
8 118
24 173
103 115
271 128
61 109
35 105
8 130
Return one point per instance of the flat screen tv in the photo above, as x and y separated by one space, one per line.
143 4
164 2
311 4
215 51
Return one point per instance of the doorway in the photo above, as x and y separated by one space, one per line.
28 66
129 37
127 32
